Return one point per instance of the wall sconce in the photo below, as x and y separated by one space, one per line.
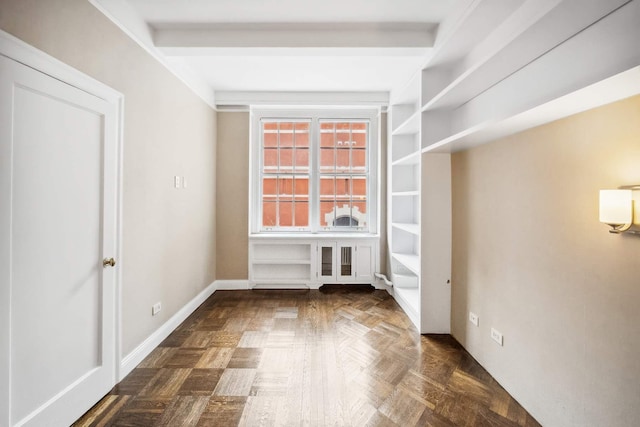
617 208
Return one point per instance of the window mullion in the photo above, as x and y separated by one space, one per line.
314 175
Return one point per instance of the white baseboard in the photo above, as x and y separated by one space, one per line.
232 285
133 359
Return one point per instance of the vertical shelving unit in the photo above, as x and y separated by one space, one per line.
405 175
420 203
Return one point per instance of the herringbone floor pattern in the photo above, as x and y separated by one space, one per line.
342 356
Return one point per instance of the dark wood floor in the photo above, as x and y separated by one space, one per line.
342 356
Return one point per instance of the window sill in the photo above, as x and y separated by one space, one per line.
308 235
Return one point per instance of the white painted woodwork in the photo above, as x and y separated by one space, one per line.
178 40
226 99
297 260
327 253
435 245
420 216
365 261
58 220
122 14
230 11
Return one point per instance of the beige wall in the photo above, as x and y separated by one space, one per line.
169 234
385 266
233 196
532 260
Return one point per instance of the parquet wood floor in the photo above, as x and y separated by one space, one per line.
341 356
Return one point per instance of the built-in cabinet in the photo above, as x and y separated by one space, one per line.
419 213
312 262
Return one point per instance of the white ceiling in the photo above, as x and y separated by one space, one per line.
289 45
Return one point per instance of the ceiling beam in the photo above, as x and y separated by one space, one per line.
300 35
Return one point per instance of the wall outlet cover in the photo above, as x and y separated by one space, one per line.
496 336
155 309
473 318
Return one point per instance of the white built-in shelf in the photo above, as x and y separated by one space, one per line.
290 281
409 126
610 90
405 281
281 261
411 261
409 300
406 193
411 159
408 227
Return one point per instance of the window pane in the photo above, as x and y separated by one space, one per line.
286 138
358 138
342 159
326 213
343 139
286 214
285 187
359 187
360 206
302 160
286 159
269 187
343 187
301 188
302 134
359 210
270 159
359 159
327 187
327 159
302 214
269 214
327 136
270 139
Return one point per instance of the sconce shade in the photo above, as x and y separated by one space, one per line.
616 206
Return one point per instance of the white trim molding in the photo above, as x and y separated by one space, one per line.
126 19
232 285
16 49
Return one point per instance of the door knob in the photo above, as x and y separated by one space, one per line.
108 262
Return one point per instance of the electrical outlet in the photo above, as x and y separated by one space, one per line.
473 318
176 181
155 309
496 336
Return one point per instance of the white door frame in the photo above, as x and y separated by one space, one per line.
19 51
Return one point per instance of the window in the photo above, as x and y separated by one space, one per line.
314 171
343 174
285 174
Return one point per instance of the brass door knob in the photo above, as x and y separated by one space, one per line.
108 262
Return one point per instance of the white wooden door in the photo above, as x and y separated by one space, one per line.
365 261
57 223
345 264
327 272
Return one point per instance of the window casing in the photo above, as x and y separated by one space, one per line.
314 171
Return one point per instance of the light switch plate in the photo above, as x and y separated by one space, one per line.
473 318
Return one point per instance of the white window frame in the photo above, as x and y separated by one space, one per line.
315 115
